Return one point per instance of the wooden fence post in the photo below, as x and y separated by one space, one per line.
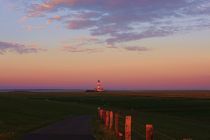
107 119
149 132
128 128
101 114
110 119
104 116
116 123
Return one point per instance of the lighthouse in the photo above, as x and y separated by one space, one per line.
99 87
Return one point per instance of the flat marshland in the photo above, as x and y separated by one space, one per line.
174 114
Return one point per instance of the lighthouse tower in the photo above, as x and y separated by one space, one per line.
99 87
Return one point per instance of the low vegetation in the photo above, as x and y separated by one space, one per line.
175 117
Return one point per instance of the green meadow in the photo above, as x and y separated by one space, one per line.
173 117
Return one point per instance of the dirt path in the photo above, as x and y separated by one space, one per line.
74 128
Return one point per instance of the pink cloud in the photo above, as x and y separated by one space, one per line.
56 17
80 24
46 6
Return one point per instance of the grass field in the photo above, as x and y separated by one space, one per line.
174 114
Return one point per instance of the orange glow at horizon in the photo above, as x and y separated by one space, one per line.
136 71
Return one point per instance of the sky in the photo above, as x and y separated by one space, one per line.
127 44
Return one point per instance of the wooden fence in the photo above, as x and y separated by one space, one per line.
111 121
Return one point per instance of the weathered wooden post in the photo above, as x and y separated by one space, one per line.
128 128
110 119
101 114
104 116
107 119
116 123
149 132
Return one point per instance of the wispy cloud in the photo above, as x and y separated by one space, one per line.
35 27
77 49
18 48
136 48
81 44
54 18
118 21
82 41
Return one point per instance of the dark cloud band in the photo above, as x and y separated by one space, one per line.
17 48
120 21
